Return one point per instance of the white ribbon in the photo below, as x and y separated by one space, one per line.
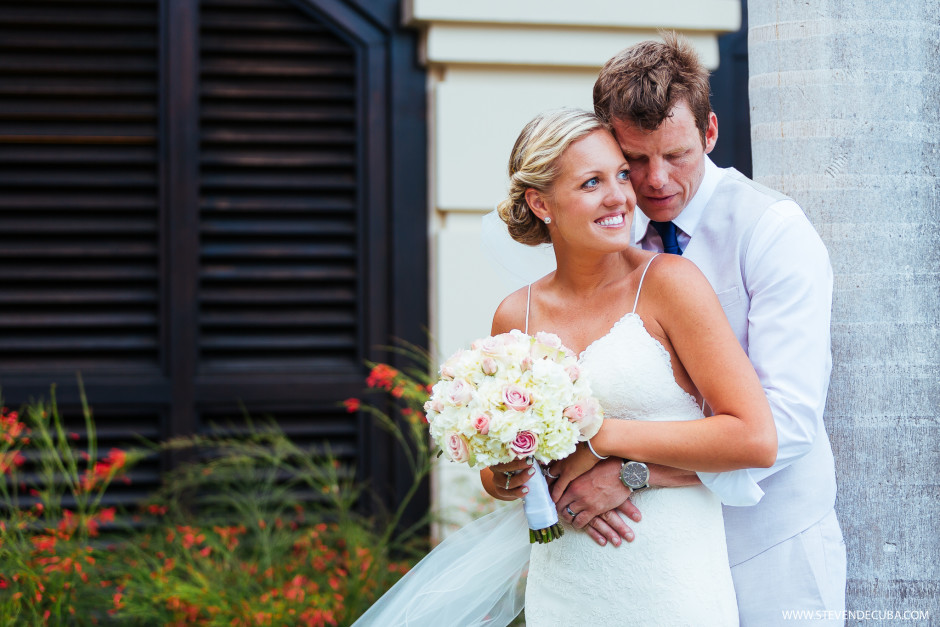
539 506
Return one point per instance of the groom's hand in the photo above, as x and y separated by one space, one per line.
597 496
594 496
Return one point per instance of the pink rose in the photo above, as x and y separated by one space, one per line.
526 363
516 398
459 393
574 373
575 413
457 448
448 369
548 339
524 444
435 405
507 339
489 366
587 415
481 423
490 345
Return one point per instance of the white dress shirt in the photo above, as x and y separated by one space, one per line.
781 318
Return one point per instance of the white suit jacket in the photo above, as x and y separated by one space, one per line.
772 275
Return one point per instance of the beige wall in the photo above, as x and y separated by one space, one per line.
493 65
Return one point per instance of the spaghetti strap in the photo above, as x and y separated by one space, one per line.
639 287
528 299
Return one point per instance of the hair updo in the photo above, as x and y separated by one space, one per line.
534 163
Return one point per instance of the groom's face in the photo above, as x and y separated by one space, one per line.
666 165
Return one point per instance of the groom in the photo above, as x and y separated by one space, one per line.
772 275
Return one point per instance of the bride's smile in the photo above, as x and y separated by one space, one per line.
615 221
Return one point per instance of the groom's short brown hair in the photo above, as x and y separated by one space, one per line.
643 83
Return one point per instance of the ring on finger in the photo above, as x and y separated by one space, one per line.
508 478
548 473
570 513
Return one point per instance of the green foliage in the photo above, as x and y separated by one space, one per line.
255 530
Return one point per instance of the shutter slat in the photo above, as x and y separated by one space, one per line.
77 155
317 137
319 90
66 41
34 271
276 68
251 296
78 296
272 343
45 63
321 203
55 321
53 199
91 17
265 180
58 225
261 43
87 341
252 319
215 110
86 249
64 178
278 250
219 277
66 85
286 225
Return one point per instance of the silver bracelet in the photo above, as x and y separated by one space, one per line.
593 451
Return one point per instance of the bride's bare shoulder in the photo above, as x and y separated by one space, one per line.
675 282
673 270
511 312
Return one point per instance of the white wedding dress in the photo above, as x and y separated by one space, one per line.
675 573
676 570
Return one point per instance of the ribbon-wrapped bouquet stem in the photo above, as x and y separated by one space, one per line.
512 396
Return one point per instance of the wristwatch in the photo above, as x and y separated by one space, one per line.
634 475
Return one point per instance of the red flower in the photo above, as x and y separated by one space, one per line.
352 405
9 460
382 376
10 427
104 470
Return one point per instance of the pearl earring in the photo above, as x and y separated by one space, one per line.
548 219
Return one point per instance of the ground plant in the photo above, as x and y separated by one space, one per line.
253 529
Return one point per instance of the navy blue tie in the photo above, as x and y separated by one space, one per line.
667 231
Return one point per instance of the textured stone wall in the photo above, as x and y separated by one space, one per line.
845 118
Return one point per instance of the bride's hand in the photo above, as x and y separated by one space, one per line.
506 482
570 468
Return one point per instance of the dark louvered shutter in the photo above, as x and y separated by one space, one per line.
278 178
79 238
196 212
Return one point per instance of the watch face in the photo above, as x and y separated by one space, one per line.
635 474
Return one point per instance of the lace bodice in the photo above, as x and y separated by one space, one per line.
631 374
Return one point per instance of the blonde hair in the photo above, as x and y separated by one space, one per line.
533 163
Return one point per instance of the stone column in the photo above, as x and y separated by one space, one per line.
845 118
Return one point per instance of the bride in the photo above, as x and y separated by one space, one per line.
656 347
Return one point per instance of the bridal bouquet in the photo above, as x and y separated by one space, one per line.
508 397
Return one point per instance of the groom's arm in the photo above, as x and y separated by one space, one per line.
598 494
